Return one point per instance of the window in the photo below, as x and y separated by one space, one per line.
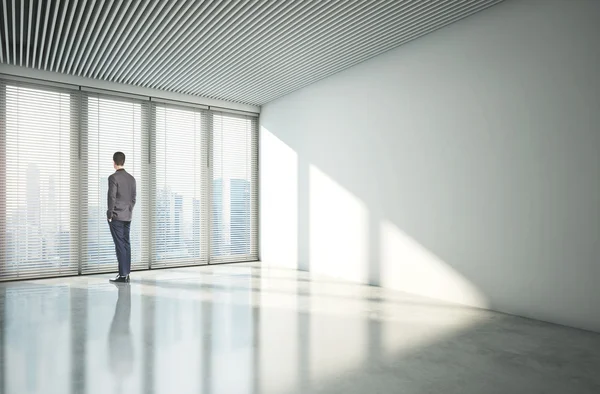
38 193
112 124
234 188
180 235
196 172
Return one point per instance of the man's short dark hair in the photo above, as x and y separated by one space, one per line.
119 158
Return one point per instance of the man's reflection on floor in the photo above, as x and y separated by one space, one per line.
120 346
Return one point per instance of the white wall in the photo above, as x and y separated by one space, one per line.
463 166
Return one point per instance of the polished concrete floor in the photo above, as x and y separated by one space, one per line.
246 329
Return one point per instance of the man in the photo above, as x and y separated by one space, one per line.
121 200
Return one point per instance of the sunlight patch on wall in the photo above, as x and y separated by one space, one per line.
279 201
408 266
338 229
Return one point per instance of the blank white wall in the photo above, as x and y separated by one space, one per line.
463 166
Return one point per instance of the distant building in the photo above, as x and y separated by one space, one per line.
33 249
196 223
218 242
178 220
240 216
163 231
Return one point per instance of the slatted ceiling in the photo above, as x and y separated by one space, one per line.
134 40
53 43
377 43
106 57
167 72
86 64
85 34
361 40
249 51
126 41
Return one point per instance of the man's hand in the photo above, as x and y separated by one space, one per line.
109 220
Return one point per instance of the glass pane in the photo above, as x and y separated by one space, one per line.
38 213
112 126
178 230
232 185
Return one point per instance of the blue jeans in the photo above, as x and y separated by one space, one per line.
120 233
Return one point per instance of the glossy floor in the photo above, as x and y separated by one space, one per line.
246 329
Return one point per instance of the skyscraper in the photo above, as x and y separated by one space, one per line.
240 216
33 236
51 215
163 230
217 236
179 247
177 218
196 228
33 195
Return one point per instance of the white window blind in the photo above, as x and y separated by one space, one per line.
110 124
38 181
180 191
234 224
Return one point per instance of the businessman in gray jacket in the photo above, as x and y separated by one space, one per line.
121 200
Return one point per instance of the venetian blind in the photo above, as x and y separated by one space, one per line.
38 181
110 124
180 191
234 189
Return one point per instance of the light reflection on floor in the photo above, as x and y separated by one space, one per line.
249 329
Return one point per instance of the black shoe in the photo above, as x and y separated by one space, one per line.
120 279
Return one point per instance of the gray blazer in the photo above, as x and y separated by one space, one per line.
121 196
